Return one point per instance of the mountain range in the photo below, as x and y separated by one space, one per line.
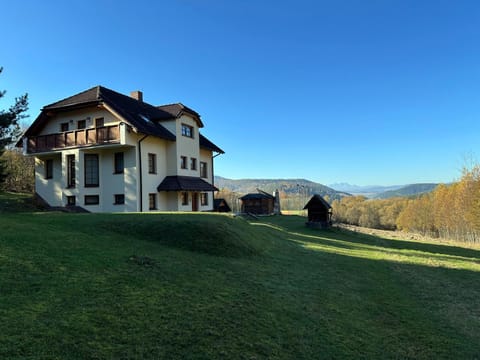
289 186
308 188
385 192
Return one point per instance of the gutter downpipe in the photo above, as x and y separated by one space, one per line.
141 170
213 174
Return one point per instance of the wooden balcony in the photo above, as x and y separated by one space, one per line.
71 139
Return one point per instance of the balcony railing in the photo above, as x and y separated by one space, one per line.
84 137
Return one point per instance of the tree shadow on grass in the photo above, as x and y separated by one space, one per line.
349 243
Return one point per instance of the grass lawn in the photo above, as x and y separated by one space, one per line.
210 286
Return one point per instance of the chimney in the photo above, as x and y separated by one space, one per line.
137 95
276 203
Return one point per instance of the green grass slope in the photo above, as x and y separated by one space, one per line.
208 286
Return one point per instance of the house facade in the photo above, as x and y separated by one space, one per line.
109 152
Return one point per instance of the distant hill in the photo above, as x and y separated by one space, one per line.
358 189
407 190
368 190
289 186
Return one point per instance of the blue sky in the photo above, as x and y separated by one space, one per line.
366 92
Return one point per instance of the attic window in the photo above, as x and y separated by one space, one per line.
187 131
146 119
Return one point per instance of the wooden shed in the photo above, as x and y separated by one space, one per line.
260 203
220 205
319 212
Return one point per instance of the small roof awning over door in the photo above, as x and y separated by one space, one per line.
185 183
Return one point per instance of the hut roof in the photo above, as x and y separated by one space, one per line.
256 196
317 200
221 203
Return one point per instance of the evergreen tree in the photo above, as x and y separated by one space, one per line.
9 126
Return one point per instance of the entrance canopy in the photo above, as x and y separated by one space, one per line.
185 183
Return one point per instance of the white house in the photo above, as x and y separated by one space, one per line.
108 152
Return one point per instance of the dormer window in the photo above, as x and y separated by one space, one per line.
187 131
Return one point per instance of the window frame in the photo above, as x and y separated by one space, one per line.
188 131
152 201
92 200
119 199
64 127
184 198
152 163
118 165
69 200
100 120
184 162
48 163
71 171
89 176
193 163
203 169
204 199
81 124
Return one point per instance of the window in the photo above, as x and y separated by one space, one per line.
203 169
187 131
92 200
152 163
99 122
91 170
204 199
193 164
119 199
152 201
184 196
71 171
118 163
81 124
48 169
70 200
64 127
183 162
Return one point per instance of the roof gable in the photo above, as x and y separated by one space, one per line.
178 109
257 196
145 118
316 201
142 116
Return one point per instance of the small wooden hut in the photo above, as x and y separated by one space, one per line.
319 212
220 205
260 203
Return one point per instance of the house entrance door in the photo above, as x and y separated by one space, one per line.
194 201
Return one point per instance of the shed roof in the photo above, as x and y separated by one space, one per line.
218 203
317 200
185 183
257 196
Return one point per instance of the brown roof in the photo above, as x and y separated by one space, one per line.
207 144
316 201
176 110
142 116
185 183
